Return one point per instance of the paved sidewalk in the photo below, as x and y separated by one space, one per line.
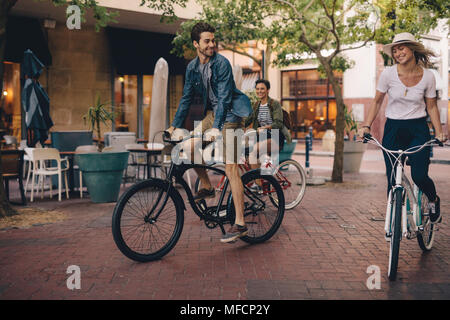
322 251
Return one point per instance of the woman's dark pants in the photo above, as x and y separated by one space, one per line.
404 134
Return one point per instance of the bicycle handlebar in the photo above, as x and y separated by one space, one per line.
168 139
368 137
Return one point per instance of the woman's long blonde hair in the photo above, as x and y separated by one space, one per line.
421 54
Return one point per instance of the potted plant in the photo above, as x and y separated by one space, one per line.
102 171
98 114
353 150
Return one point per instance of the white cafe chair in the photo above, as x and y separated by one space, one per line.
41 155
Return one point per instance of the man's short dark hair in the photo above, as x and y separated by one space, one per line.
265 82
199 28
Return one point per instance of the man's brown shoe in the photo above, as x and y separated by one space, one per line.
235 232
205 193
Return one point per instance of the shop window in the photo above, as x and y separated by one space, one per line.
128 92
310 101
10 107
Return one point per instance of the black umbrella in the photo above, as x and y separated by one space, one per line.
35 101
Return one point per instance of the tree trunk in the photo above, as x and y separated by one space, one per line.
338 163
5 7
267 55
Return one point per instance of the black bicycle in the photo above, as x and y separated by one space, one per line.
148 218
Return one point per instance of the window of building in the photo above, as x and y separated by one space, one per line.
132 97
10 108
310 101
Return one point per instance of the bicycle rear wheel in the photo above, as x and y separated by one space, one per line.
292 179
425 238
396 233
138 232
262 217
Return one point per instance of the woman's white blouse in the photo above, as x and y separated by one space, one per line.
406 102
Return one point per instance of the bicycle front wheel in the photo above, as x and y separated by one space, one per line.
147 223
425 237
292 179
396 233
262 216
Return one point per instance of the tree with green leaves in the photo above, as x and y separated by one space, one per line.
336 26
324 29
236 22
103 17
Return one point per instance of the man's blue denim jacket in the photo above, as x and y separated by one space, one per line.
222 83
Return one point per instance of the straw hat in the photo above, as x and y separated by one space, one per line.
404 37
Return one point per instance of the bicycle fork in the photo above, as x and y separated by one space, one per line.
390 209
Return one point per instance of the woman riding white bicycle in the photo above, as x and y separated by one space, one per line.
411 90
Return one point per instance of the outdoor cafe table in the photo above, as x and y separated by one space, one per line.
150 153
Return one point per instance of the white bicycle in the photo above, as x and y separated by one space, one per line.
407 207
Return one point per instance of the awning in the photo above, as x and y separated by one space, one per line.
136 52
24 33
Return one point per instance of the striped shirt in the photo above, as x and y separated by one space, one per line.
264 117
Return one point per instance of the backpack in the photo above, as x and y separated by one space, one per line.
287 119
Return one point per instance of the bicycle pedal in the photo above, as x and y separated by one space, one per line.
411 235
387 237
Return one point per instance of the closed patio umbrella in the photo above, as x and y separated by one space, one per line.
35 101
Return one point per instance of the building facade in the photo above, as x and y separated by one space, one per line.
311 101
117 63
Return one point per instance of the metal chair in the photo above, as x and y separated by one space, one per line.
136 161
164 162
12 167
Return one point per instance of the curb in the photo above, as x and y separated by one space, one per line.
331 155
440 161
315 153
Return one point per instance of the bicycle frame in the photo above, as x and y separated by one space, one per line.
411 217
177 172
245 167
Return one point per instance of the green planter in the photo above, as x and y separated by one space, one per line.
288 150
102 173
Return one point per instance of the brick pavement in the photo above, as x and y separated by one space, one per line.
322 251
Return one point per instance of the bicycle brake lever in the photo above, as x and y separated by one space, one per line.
166 136
367 137
438 142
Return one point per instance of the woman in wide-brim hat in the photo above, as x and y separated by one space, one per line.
411 90
421 54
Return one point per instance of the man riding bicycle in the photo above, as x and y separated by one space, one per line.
210 76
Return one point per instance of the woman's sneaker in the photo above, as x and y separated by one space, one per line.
435 210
